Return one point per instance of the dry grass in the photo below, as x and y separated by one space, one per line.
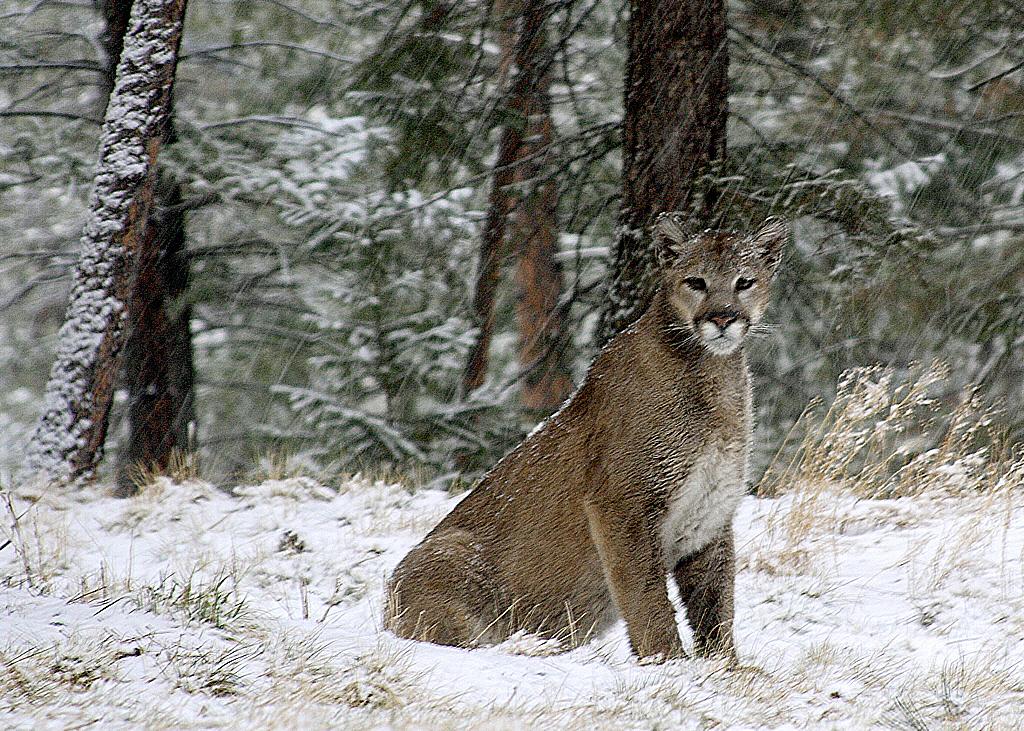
272 625
279 465
308 683
282 465
215 601
41 675
40 541
281 681
890 437
182 466
219 671
965 693
883 438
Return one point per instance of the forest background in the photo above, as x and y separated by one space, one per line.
394 234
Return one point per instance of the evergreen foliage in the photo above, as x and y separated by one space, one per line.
335 159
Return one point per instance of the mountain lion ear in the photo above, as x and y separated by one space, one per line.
673 237
770 240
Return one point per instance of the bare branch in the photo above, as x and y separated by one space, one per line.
48 113
996 77
64 65
319 52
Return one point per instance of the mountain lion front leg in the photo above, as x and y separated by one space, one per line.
706 581
632 565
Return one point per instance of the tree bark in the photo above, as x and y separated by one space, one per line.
158 361
116 14
492 252
547 379
68 442
676 106
524 219
159 368
500 204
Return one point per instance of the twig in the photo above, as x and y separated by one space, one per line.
996 77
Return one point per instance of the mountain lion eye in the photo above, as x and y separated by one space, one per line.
743 283
695 283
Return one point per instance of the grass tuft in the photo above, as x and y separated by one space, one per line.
886 436
214 601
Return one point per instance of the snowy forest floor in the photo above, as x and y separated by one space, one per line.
187 607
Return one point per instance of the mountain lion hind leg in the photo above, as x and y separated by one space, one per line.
441 593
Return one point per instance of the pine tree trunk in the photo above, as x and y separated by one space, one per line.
676 105
525 220
158 361
542 348
68 443
500 204
492 251
116 14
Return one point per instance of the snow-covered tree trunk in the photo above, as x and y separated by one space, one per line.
158 365
68 443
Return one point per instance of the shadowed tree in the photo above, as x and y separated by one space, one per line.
522 216
116 14
68 442
676 105
547 380
158 361
500 204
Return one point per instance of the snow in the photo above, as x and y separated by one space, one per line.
192 607
904 178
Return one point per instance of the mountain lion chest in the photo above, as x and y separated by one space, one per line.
704 501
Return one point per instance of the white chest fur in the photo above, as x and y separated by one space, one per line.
704 503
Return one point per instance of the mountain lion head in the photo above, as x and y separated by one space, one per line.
717 282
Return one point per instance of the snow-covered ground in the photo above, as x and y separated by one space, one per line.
187 607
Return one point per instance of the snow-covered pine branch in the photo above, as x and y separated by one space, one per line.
68 442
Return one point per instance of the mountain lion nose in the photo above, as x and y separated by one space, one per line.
722 319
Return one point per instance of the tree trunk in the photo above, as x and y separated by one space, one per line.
676 105
523 160
68 443
115 21
158 362
500 204
159 369
492 251
542 348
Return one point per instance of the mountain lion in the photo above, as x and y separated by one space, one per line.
635 477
